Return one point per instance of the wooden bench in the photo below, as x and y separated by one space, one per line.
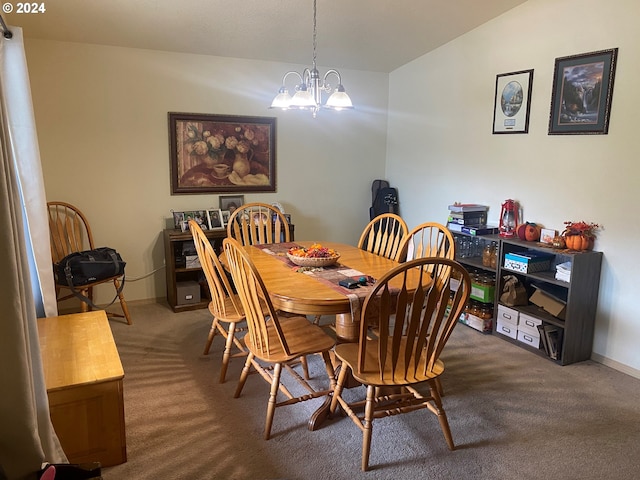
83 376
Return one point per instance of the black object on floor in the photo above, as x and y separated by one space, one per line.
71 471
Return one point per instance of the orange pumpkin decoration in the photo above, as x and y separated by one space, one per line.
579 242
580 235
532 232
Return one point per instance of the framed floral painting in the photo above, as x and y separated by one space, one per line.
222 153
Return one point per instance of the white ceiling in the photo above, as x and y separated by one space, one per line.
374 35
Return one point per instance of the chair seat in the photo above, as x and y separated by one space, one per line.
303 338
348 353
231 316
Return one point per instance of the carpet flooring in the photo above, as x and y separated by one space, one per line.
513 415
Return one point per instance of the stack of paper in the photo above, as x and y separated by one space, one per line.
563 271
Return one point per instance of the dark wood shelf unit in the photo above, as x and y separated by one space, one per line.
581 297
173 240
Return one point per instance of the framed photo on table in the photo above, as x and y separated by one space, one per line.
512 102
225 217
582 92
221 153
200 216
231 202
216 220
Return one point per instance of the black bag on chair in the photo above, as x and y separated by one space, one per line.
80 268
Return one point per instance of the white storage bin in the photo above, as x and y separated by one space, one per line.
531 340
507 329
529 324
508 315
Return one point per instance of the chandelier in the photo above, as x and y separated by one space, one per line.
308 93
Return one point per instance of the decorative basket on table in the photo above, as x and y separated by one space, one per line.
314 256
313 261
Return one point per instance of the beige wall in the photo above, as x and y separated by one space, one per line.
102 110
441 148
101 115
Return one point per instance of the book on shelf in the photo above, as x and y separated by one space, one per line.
472 218
467 207
472 230
563 271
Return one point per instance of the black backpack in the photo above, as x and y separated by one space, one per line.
384 199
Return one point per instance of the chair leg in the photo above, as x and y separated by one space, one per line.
84 306
337 390
243 375
444 425
231 331
305 367
437 408
439 386
271 406
328 365
123 303
212 334
367 429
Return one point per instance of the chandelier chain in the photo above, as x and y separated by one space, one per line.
314 34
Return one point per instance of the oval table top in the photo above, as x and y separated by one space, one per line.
302 294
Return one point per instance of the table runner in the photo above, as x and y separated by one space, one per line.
329 276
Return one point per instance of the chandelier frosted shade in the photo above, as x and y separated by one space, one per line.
339 100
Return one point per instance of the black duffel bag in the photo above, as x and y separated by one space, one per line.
82 268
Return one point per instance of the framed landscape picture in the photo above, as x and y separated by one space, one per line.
512 102
582 93
222 153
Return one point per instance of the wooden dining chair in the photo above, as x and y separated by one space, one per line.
225 305
70 232
383 235
428 239
258 223
413 328
274 341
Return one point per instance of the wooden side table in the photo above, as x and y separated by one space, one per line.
83 376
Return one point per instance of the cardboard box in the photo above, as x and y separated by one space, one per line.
548 303
187 293
477 323
483 293
527 261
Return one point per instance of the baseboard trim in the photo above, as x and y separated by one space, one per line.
621 367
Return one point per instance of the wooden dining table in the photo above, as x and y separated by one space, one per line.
295 292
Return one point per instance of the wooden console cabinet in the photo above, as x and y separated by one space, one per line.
177 271
83 376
